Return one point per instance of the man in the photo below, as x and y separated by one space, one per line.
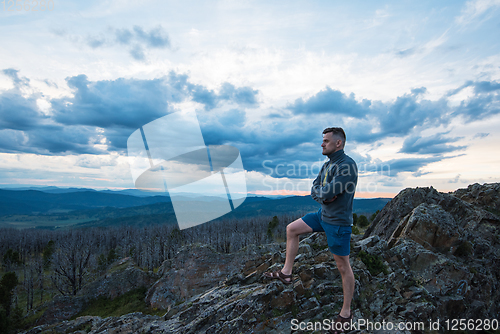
334 189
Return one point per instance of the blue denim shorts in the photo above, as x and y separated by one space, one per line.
339 237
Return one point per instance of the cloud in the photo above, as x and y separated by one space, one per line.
16 80
89 161
123 36
155 38
100 115
486 86
435 144
331 101
18 112
479 107
50 140
455 179
375 120
406 52
126 103
479 87
393 167
245 96
481 135
475 9
136 40
407 112
95 41
137 52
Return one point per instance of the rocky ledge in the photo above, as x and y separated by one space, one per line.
427 256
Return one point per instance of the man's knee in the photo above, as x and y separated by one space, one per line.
291 230
297 227
343 264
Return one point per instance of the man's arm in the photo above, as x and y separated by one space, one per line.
345 176
313 194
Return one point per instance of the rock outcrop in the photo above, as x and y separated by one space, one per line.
426 256
486 196
123 276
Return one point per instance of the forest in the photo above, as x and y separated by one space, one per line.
38 264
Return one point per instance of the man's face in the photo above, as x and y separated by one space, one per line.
330 143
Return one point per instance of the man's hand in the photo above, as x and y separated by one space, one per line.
330 200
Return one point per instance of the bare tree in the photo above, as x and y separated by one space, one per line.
70 262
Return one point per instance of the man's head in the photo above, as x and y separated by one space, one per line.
333 140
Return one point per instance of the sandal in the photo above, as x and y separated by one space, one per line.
279 275
341 325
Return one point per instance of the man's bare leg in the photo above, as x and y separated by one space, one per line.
293 231
347 283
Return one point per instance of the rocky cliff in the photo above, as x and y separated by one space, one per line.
427 256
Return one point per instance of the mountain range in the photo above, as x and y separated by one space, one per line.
53 207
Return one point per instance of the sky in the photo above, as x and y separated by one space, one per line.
414 84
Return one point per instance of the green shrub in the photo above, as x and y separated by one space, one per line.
363 221
373 263
355 230
465 249
132 301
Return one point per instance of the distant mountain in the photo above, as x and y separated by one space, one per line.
93 208
35 201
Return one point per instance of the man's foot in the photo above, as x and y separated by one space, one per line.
341 325
287 279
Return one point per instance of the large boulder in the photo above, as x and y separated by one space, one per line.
486 196
194 269
465 215
123 276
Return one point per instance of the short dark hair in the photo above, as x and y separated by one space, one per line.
336 132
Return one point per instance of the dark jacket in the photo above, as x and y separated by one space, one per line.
338 177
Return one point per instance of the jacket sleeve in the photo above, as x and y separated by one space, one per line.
345 176
313 193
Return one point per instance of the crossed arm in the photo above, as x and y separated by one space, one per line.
343 177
